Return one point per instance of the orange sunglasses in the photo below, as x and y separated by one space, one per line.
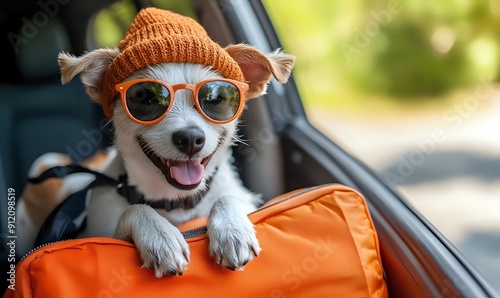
147 101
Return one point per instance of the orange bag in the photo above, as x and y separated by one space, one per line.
316 242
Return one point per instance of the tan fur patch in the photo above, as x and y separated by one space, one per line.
41 199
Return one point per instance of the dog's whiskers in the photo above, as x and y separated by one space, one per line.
106 125
239 139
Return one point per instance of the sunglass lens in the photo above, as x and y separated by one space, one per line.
219 100
147 101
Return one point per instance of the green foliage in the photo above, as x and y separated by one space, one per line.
408 66
398 49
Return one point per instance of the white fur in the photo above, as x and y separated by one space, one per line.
26 230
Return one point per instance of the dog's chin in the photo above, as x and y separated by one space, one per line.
181 174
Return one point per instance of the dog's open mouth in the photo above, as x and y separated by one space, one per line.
182 174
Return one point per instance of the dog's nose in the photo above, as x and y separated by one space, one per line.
190 140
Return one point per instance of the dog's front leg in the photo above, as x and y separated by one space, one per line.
160 244
232 236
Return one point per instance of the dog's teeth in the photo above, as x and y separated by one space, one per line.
165 161
171 174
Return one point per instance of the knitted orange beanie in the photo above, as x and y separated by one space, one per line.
159 36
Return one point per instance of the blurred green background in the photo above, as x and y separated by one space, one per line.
357 54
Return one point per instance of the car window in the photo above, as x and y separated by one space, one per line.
411 89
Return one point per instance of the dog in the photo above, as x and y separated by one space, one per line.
175 120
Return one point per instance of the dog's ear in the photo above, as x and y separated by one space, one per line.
258 67
91 66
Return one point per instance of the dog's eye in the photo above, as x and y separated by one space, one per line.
147 100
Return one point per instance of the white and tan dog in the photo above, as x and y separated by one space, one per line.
175 120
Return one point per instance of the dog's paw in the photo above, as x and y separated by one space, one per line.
161 245
164 251
232 242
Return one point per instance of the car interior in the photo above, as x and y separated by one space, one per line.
283 150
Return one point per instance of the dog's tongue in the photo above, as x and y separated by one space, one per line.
187 172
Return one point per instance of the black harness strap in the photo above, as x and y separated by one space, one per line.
134 197
64 171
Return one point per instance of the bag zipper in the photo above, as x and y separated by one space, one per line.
196 231
288 198
54 242
203 230
40 246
